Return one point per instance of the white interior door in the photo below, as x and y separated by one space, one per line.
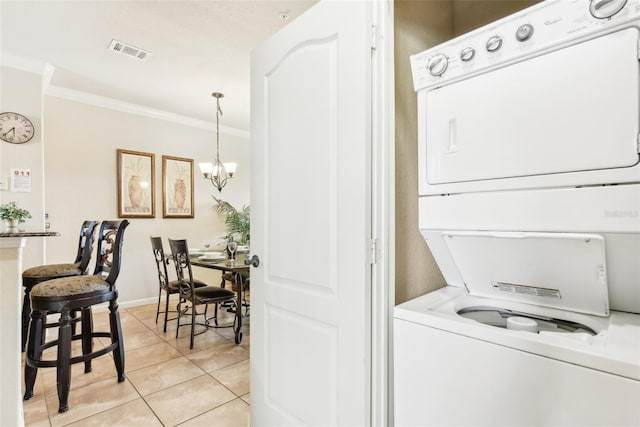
310 225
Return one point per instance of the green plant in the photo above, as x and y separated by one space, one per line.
9 211
237 221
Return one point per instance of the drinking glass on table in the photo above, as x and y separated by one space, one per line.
233 247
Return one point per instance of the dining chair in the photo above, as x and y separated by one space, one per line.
78 293
246 286
195 295
34 275
166 286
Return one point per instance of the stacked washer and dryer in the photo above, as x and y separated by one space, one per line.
529 182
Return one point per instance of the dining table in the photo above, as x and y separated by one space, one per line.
239 269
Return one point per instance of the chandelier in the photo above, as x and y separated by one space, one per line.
217 172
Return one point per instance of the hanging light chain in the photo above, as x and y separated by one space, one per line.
219 174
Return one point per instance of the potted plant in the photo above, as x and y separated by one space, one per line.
12 215
237 221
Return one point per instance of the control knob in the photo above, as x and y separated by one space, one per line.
524 32
604 9
467 54
438 64
494 43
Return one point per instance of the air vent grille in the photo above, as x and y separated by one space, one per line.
128 50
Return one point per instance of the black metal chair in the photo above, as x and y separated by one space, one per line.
78 293
42 273
169 287
246 286
190 293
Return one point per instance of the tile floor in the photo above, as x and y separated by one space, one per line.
167 384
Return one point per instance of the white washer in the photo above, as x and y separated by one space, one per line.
529 201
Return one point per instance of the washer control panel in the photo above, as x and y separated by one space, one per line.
540 27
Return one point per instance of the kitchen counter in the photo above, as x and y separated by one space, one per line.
11 244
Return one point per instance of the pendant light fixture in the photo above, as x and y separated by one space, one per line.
217 172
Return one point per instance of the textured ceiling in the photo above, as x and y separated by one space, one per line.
197 47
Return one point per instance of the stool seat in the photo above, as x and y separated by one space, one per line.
52 270
66 287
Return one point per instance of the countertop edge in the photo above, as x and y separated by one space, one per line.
28 234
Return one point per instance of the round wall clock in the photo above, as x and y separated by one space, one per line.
15 128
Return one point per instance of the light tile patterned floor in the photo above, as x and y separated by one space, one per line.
167 383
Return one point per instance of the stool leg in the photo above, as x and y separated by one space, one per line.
86 319
63 367
26 313
116 337
34 353
74 314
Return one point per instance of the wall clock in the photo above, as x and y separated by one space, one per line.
15 128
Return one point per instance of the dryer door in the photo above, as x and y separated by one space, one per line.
575 109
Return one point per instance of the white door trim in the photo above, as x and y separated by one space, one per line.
383 213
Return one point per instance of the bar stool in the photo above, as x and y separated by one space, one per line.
78 293
34 275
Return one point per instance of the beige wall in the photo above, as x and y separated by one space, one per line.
420 25
21 92
81 174
471 14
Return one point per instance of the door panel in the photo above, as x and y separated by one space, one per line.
546 115
310 225
303 236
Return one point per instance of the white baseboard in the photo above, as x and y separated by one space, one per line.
126 304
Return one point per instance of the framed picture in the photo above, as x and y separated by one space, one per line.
177 187
136 187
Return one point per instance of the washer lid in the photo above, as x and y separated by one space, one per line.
559 270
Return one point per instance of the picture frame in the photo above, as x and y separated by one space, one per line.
136 185
177 187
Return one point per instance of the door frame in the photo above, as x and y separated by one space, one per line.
382 213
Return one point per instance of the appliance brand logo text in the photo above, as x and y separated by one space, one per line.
621 213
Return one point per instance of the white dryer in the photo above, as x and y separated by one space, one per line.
529 142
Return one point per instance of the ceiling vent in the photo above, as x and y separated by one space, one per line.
128 50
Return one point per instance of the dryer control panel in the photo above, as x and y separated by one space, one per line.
548 25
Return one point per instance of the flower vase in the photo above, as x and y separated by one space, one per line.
135 191
179 193
11 224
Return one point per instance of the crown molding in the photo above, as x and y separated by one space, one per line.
126 107
21 63
47 71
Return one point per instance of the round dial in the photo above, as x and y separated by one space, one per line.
494 43
524 32
15 128
467 54
603 9
438 64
